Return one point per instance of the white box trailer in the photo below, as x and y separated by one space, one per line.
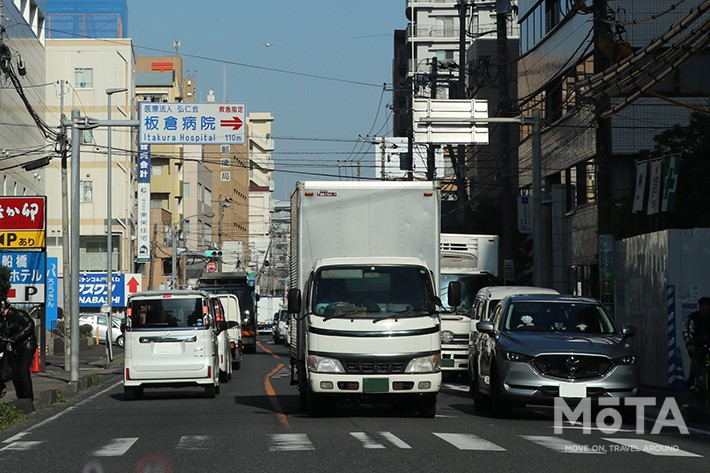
364 292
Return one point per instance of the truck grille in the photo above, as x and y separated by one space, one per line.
374 367
572 366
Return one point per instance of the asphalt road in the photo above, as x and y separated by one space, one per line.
255 425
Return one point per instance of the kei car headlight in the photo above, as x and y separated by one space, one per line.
424 364
447 336
514 356
625 360
322 364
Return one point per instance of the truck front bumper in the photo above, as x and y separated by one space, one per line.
412 383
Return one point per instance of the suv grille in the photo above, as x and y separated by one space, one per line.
572 366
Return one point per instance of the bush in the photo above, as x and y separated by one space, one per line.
9 416
86 330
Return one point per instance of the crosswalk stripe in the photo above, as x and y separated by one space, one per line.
469 442
290 442
560 445
457 387
396 441
116 447
652 448
21 446
367 442
194 442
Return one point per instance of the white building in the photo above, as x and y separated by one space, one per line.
261 188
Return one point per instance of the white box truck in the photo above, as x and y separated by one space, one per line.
472 261
364 299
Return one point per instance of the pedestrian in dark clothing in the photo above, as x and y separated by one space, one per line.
18 329
697 336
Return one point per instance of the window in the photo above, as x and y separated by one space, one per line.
86 191
83 78
186 190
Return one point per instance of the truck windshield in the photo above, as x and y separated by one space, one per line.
470 284
371 291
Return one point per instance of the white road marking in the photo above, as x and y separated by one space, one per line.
652 448
116 447
457 387
561 445
15 438
367 442
290 442
469 442
194 442
396 441
21 446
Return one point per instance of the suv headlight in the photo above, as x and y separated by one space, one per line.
424 364
447 336
322 364
514 356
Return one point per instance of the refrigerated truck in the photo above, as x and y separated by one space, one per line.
472 261
363 301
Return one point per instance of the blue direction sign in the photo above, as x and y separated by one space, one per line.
191 123
27 275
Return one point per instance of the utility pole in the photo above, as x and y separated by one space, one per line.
431 150
461 191
509 191
66 249
219 232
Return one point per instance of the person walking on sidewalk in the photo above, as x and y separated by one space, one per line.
18 329
697 335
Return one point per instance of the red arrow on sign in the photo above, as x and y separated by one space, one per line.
235 123
133 285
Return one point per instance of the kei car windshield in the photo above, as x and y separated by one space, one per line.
371 291
568 317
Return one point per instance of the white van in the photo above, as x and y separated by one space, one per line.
171 341
232 314
224 353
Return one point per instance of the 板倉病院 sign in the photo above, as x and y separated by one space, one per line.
191 123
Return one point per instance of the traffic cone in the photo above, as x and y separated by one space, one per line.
36 367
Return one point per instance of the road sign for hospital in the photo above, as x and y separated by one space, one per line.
191 123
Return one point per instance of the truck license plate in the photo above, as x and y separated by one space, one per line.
447 363
376 385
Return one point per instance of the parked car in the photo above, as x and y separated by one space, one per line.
99 322
538 347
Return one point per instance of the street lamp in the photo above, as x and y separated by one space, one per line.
173 277
109 229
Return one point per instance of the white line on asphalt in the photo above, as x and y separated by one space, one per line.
69 409
116 447
15 438
581 426
469 442
194 442
290 442
652 448
21 446
367 442
560 445
396 441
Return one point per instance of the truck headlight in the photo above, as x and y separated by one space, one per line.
322 364
447 336
424 364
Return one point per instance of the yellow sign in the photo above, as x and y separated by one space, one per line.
22 239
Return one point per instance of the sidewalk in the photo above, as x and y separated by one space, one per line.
53 385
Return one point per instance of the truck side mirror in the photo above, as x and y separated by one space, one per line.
454 295
294 301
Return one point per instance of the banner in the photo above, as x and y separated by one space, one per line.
670 184
654 196
641 172
143 226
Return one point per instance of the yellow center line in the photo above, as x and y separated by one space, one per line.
266 350
270 390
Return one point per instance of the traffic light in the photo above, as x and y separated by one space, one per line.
213 253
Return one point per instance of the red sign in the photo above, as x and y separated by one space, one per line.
22 213
211 266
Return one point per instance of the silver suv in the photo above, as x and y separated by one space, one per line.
538 347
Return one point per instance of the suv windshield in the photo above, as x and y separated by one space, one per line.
567 317
371 291
169 312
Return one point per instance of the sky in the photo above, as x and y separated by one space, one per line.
318 66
